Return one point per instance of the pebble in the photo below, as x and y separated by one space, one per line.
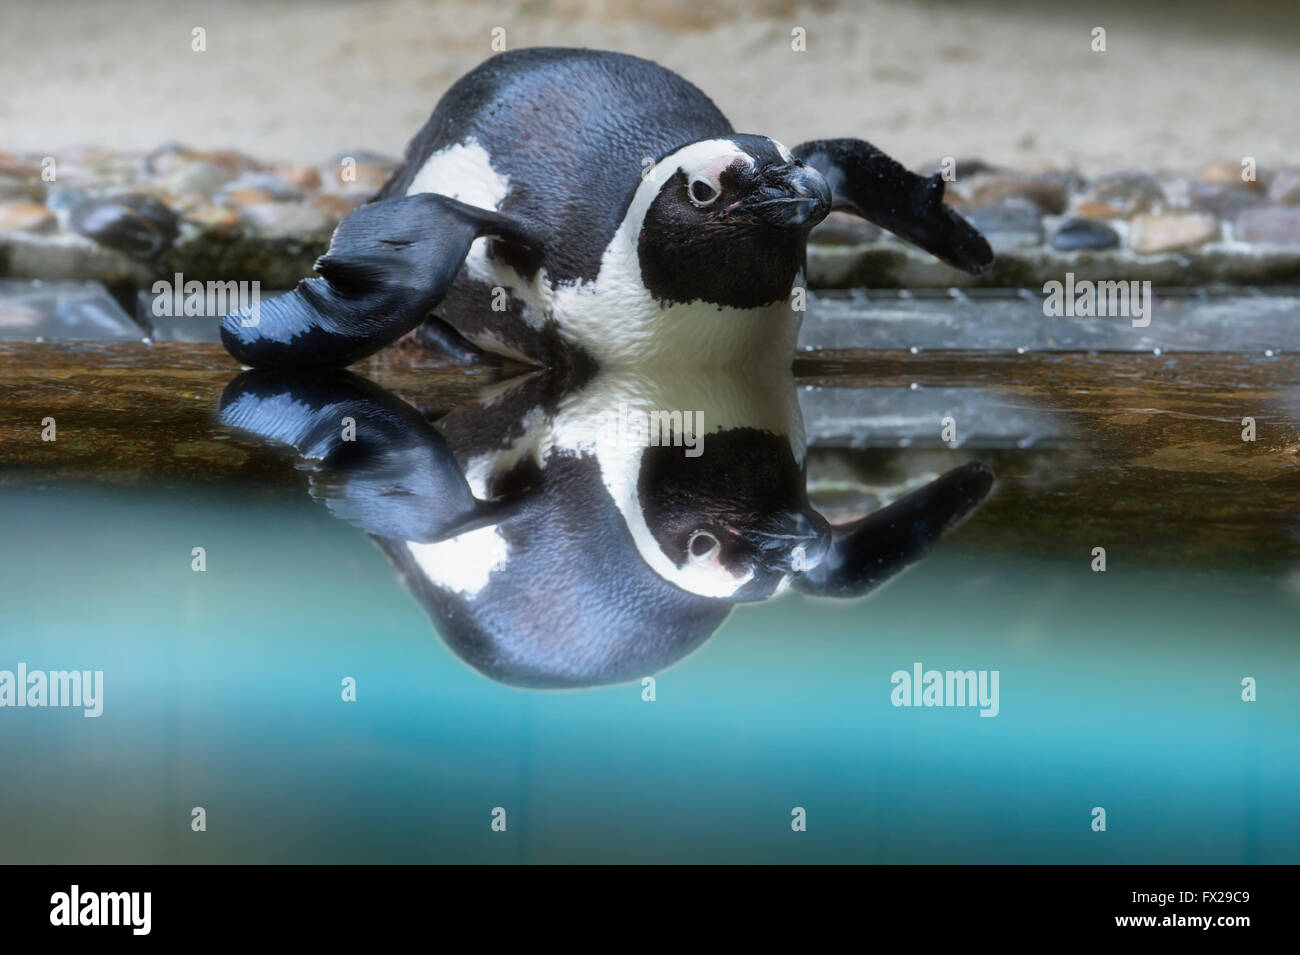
216 218
1285 188
301 177
1080 234
1171 231
841 228
287 219
1128 193
246 196
365 173
170 157
26 217
1225 199
261 182
1276 225
1008 223
1226 174
333 205
19 184
142 226
1096 210
1050 194
197 176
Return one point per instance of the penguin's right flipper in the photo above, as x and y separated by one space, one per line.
868 183
865 554
373 459
389 263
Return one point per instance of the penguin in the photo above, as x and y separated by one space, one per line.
553 545
577 208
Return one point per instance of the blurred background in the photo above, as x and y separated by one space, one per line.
1014 82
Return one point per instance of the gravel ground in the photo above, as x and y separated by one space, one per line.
1014 83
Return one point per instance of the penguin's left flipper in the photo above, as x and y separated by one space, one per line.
868 183
389 264
373 460
866 553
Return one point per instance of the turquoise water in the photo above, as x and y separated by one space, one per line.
222 690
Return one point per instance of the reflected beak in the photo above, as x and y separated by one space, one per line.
792 196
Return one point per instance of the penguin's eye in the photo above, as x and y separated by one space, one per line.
703 192
702 545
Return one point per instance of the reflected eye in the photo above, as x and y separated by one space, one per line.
703 192
702 545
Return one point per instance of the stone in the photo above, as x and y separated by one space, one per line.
1171 231
21 187
1096 210
171 157
333 205
142 226
1051 195
841 228
1285 188
1084 234
198 176
1011 223
1127 193
216 219
301 177
1275 225
26 217
259 183
1226 174
287 219
1225 199
247 196
359 172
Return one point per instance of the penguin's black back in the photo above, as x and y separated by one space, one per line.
571 130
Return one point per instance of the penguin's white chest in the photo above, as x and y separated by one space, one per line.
613 318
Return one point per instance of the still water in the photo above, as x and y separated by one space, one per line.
224 689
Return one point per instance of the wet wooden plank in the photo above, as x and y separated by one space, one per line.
1138 453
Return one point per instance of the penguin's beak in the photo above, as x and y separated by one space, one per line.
790 196
791 542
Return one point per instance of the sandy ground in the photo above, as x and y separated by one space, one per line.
1014 83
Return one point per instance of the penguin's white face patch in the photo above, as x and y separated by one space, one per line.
704 179
620 321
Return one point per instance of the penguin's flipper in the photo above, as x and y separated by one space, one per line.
866 182
866 553
373 459
389 263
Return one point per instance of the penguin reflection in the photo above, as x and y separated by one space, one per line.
579 536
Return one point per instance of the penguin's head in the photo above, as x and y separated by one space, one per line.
737 526
725 221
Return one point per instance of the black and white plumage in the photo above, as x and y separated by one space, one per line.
549 550
563 203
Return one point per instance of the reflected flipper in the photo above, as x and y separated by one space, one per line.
389 264
866 182
866 553
396 477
